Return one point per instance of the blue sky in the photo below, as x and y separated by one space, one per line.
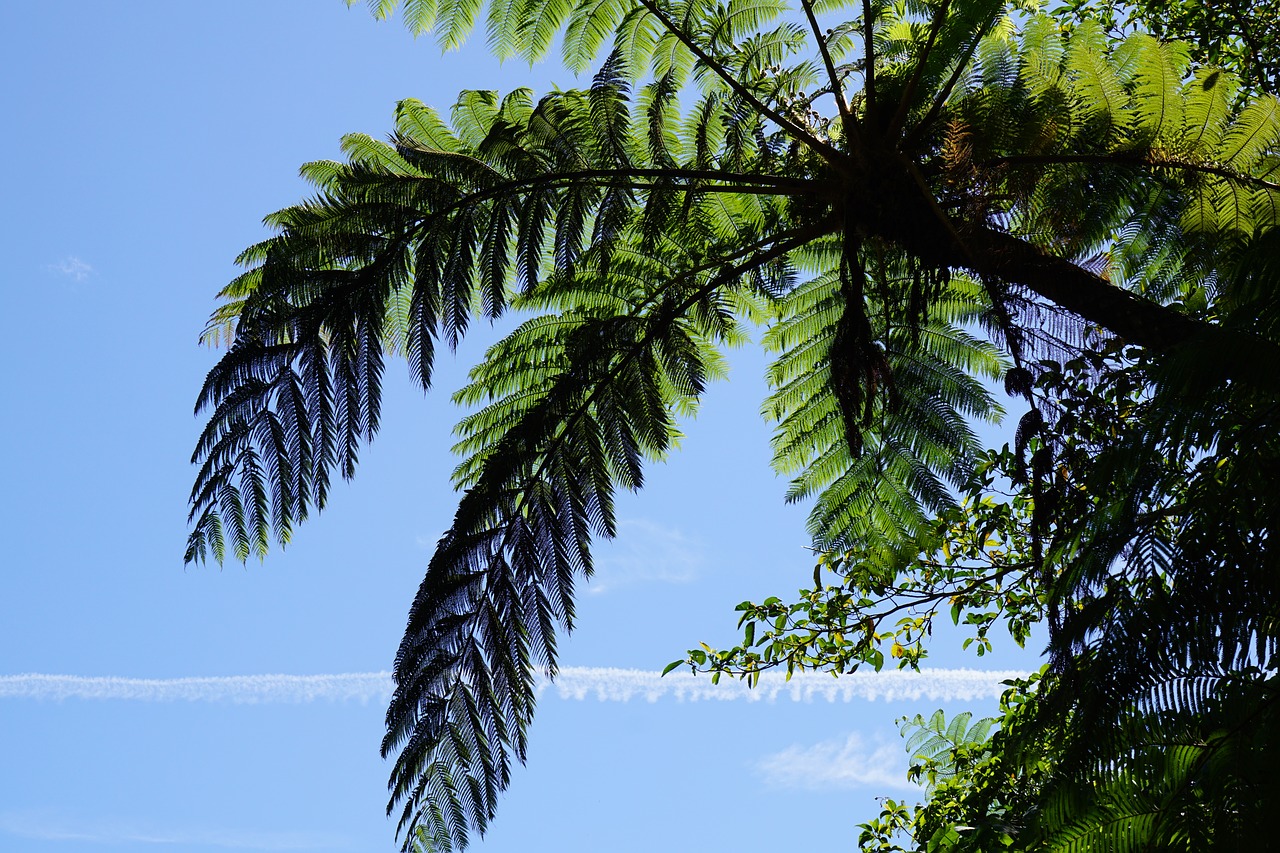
144 143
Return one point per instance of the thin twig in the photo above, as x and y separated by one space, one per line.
900 117
1127 160
869 51
744 183
961 64
837 88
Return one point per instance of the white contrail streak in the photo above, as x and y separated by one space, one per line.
361 686
622 685
44 826
601 683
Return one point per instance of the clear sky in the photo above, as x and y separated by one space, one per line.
143 143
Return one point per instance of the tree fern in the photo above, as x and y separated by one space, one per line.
997 197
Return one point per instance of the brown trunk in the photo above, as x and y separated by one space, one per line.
891 204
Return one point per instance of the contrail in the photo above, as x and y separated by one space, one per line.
577 683
622 685
244 689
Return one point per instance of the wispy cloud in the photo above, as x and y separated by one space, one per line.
73 268
848 763
645 552
573 683
45 827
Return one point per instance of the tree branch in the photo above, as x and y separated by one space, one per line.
837 88
743 183
1137 320
1128 160
945 92
900 116
869 56
911 220
797 132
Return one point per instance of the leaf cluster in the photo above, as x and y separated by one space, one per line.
1239 35
974 565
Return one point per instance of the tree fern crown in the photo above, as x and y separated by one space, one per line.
911 202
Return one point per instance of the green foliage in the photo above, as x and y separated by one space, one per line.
1188 781
981 791
1146 548
940 751
973 563
901 472
1239 35
987 194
